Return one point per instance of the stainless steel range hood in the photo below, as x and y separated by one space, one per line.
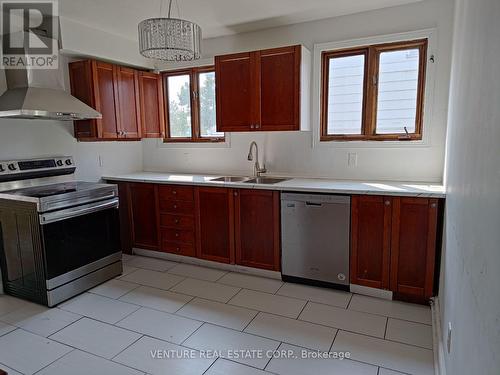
39 94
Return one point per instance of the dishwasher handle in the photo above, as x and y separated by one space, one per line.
314 204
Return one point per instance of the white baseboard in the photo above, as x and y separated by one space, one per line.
437 338
208 263
372 292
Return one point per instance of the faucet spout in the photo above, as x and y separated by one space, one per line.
257 168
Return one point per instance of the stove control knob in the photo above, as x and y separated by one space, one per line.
68 162
12 167
59 163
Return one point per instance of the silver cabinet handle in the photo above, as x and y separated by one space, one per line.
387 203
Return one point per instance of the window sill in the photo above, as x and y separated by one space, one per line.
189 144
376 138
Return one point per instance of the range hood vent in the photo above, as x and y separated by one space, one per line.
39 94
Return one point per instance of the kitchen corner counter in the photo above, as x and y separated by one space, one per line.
313 185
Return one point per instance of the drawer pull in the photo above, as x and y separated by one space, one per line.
174 192
387 203
175 206
176 221
177 235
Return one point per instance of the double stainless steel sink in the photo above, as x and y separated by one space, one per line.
268 180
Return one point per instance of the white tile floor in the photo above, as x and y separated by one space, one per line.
128 326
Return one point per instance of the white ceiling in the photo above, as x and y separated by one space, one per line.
216 17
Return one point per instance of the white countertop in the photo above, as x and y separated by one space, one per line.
314 185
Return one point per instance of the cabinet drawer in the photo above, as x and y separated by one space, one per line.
177 235
176 207
176 192
176 248
177 221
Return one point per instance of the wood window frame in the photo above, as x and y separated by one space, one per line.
196 137
370 91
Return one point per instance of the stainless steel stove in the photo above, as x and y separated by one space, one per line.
58 237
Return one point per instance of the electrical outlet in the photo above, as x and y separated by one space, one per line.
352 159
448 339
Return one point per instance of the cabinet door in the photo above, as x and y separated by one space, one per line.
370 240
105 95
413 246
80 77
280 89
214 224
145 215
257 228
236 92
125 218
128 115
152 105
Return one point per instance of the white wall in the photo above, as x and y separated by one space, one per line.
34 138
292 153
470 277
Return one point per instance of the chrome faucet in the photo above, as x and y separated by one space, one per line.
257 170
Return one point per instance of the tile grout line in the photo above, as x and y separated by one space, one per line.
128 346
44 367
334 337
251 320
191 334
301 310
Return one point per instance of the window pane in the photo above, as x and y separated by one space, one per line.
345 94
397 91
207 105
179 106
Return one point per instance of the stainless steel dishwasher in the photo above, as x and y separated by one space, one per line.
315 239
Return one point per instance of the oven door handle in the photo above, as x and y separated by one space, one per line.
68 213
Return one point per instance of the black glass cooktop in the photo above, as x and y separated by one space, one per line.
51 190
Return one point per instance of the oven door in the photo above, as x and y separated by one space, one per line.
80 240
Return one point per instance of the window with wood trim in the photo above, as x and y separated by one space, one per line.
373 92
190 105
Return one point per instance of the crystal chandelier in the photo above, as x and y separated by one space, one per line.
170 39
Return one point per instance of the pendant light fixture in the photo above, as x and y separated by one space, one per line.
171 39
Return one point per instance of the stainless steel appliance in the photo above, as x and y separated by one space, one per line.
58 237
315 239
39 93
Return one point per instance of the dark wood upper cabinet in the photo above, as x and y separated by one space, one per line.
280 88
236 92
143 206
257 228
413 247
215 224
128 108
111 90
104 80
81 77
152 105
370 240
261 90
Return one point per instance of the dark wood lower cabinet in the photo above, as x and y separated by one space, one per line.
393 239
125 222
257 228
370 240
393 245
143 203
215 224
413 247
